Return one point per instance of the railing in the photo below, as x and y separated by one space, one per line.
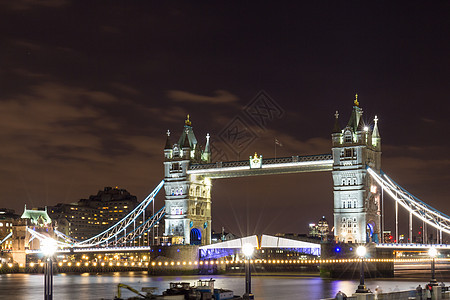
266 161
400 295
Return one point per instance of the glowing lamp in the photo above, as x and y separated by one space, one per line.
432 252
247 249
48 246
361 251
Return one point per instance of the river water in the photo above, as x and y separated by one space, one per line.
104 286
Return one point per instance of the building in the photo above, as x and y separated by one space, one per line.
88 217
320 230
222 236
8 218
356 196
188 197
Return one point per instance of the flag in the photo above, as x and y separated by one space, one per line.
277 142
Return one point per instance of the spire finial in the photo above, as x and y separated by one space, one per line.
376 119
207 137
356 100
336 114
168 132
187 122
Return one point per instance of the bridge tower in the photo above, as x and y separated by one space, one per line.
188 197
356 195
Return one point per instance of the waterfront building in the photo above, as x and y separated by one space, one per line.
356 195
8 218
88 217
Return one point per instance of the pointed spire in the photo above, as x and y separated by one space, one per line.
168 144
186 143
207 146
354 122
375 133
336 128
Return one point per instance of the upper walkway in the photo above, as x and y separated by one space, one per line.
265 166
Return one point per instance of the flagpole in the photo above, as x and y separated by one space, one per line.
275 148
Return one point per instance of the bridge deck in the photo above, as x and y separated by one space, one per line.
269 166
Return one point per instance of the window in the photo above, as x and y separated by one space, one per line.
343 204
348 137
343 219
354 205
348 152
349 204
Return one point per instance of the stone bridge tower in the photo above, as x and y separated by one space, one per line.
356 195
188 197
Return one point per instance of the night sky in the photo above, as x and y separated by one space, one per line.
89 88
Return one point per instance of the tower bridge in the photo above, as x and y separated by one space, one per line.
354 162
188 172
257 165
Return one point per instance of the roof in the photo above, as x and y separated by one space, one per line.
168 144
337 127
38 217
190 135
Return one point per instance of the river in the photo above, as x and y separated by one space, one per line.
104 286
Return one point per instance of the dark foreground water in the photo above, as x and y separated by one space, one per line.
98 286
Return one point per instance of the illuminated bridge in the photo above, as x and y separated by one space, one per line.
358 187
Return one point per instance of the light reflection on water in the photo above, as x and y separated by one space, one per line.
98 286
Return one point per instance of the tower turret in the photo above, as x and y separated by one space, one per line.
168 147
188 197
337 132
206 156
356 197
376 139
186 149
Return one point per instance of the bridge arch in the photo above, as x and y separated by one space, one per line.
196 236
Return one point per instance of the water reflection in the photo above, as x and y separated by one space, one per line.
98 286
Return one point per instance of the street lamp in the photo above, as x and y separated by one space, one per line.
432 252
48 248
248 249
361 252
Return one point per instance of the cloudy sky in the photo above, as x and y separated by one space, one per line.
89 88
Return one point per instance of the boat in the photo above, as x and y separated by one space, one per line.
202 290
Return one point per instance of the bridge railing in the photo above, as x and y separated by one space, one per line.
265 161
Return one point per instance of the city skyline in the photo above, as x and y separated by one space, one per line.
89 91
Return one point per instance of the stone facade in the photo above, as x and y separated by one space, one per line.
188 197
356 195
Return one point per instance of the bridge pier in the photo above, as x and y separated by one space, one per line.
376 263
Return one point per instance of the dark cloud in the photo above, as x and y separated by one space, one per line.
87 91
30 4
220 97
